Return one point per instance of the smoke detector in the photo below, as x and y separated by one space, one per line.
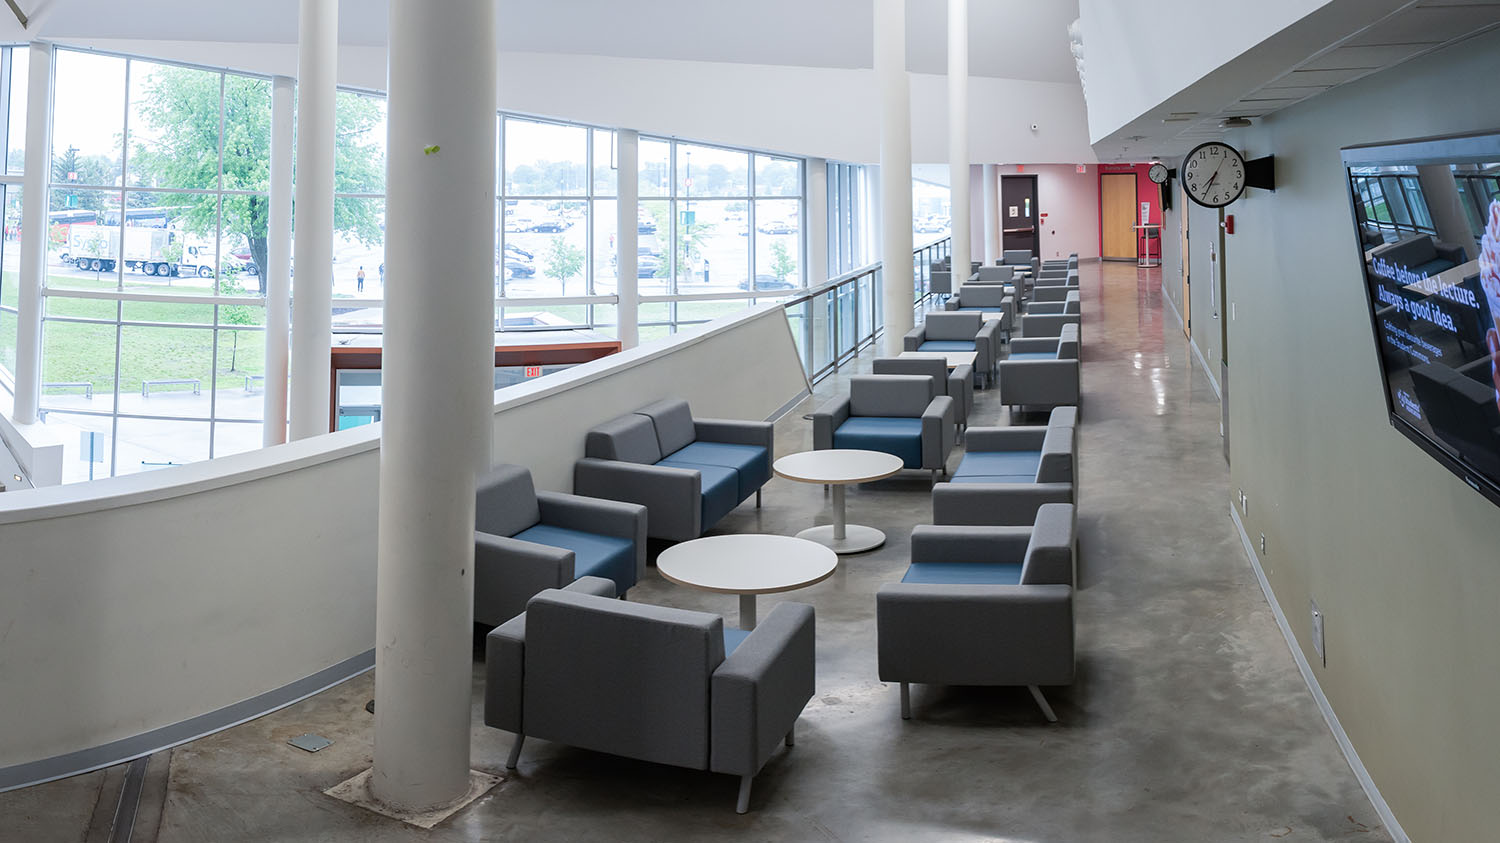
1235 123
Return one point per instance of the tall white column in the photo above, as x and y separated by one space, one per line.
33 268
992 249
437 391
815 229
312 304
278 266
895 170
627 235
958 137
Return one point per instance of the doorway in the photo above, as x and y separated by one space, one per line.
1018 214
1117 216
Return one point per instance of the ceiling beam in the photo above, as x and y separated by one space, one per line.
20 15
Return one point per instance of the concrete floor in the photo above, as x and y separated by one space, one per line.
1188 721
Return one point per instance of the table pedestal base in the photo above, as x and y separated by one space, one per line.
857 539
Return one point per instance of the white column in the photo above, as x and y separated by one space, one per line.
437 391
895 170
279 262
33 268
627 235
815 229
992 249
958 138
312 304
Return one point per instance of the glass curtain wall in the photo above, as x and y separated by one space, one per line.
850 242
358 270
13 76
152 333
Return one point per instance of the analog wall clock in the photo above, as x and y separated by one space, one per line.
1158 173
1213 174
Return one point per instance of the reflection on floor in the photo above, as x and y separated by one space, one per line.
1189 720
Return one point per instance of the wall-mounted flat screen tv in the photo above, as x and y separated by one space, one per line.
1427 214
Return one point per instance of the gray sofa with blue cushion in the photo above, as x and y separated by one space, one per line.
687 472
950 331
957 383
1042 371
670 686
1009 473
1046 318
526 541
982 606
899 415
1020 258
986 298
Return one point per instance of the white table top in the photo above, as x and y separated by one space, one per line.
953 358
837 465
747 563
991 315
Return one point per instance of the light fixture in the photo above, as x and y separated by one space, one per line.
1235 123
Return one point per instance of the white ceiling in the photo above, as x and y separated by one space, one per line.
1011 39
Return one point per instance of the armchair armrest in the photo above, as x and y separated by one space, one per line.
951 304
826 420
987 341
736 432
1005 439
1039 382
949 543
937 432
961 390
913 338
995 504
975 634
505 661
672 496
508 572
598 515
758 692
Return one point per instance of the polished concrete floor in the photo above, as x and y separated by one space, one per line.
1188 721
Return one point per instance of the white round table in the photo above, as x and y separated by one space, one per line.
839 467
747 565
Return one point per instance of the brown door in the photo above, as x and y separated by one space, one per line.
1018 213
1118 210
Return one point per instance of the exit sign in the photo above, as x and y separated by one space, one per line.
533 371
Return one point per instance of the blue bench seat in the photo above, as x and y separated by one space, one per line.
947 345
1022 463
964 573
721 487
594 555
900 437
750 462
733 638
1033 355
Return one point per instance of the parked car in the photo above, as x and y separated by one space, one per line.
548 226
645 225
518 251
776 227
516 268
768 282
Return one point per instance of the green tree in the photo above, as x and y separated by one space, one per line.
181 106
237 314
564 260
69 167
782 263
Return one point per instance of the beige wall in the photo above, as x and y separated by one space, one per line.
1402 556
1069 199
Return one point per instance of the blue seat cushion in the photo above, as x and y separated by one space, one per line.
594 555
1023 463
733 638
721 487
1033 355
977 309
897 437
750 462
964 573
947 345
995 478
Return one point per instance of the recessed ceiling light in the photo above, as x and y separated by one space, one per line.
1235 123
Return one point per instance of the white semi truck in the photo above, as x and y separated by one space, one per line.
96 248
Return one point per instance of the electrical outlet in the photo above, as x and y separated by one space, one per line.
1317 631
1262 544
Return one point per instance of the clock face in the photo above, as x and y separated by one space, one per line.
1213 174
1158 173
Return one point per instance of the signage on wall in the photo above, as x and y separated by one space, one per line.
1145 213
533 371
1015 210
1083 168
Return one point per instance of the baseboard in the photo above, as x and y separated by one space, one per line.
146 743
787 407
1213 380
1363 775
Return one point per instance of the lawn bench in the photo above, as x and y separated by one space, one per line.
250 381
87 387
146 385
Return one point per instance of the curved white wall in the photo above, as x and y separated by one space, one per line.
131 604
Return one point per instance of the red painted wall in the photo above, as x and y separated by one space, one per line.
1146 190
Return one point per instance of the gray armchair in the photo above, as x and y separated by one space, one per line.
687 472
893 414
1046 318
993 275
680 688
1016 257
986 298
940 282
1042 371
982 606
1009 473
949 331
957 383
526 541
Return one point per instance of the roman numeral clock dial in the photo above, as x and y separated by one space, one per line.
1213 174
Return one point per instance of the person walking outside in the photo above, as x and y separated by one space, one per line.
359 279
